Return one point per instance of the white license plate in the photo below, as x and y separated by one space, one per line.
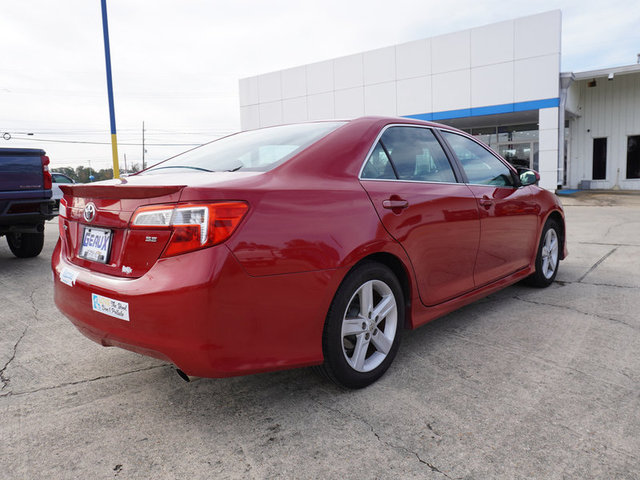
96 244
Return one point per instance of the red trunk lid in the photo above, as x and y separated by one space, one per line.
132 252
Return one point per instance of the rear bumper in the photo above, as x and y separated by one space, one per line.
24 215
203 313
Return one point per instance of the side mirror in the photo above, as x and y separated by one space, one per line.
529 177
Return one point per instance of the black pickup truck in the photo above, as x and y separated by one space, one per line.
25 199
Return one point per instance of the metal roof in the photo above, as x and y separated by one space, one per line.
605 72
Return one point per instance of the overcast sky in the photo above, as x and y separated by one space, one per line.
176 63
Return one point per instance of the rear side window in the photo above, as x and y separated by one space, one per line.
409 153
480 165
378 165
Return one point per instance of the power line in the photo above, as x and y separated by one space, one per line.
84 142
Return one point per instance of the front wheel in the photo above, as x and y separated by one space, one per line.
362 329
548 257
25 245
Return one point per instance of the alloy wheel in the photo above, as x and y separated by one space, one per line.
369 326
550 253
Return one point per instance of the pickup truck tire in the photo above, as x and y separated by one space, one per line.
25 245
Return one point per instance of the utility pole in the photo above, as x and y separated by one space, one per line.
112 114
143 166
125 163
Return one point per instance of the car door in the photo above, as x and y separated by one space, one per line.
414 189
508 213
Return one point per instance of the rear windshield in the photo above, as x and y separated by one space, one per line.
253 150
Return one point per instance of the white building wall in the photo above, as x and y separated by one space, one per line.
611 109
548 147
499 64
499 68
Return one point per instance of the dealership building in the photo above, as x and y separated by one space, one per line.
501 82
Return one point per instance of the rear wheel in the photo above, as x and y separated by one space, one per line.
548 257
25 245
362 330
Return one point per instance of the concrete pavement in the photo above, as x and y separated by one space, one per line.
526 383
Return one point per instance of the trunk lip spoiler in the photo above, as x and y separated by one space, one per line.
120 191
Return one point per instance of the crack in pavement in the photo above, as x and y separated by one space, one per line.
3 377
615 225
411 452
79 382
595 265
562 283
384 442
544 361
608 285
575 310
581 436
606 244
36 310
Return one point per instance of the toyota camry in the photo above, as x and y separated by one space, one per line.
298 245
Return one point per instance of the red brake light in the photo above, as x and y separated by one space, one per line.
194 225
46 174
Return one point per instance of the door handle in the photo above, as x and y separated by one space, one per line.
485 201
394 204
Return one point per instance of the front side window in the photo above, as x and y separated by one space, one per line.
480 165
409 153
256 150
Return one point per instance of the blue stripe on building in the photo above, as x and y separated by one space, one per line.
490 110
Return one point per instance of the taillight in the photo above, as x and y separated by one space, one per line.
194 225
46 174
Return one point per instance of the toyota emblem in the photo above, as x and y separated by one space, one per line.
89 212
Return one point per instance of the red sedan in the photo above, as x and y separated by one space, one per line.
307 244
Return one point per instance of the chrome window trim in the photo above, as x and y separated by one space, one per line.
412 181
411 125
492 186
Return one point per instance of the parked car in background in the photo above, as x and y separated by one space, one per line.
25 199
57 179
307 244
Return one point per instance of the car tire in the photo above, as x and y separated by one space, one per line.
548 256
25 245
363 326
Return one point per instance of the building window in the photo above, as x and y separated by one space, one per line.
599 158
633 156
517 144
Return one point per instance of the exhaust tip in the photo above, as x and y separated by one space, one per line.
185 377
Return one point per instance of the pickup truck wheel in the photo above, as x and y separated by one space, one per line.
25 245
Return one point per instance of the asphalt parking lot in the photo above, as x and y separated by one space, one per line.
526 383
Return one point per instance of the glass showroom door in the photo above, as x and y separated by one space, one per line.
520 154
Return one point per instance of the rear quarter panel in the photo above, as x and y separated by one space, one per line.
307 228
